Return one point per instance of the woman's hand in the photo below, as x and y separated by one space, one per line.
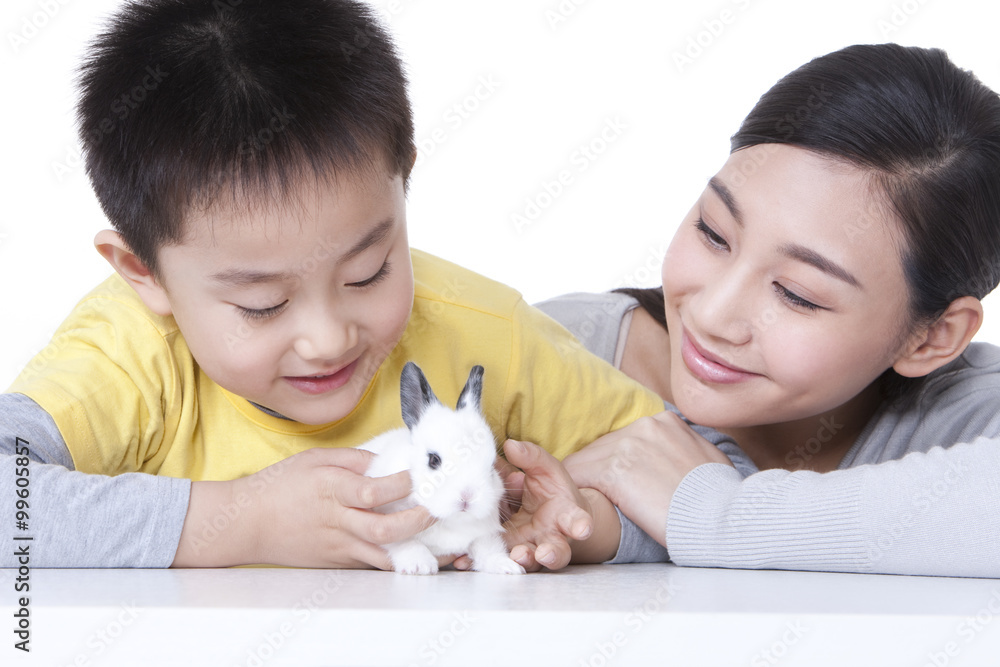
640 466
552 511
555 521
311 510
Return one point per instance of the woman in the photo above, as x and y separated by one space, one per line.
817 308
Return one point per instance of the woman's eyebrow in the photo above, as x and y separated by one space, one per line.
719 188
813 258
790 250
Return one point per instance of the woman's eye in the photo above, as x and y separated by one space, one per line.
710 236
379 276
261 313
794 299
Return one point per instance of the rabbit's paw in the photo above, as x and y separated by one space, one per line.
412 558
498 564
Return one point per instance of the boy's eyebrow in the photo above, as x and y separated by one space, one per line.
243 277
378 234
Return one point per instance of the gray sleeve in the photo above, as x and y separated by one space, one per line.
635 545
929 513
594 319
77 519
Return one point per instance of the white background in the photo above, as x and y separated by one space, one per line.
560 71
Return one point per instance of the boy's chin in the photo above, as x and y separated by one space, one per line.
313 417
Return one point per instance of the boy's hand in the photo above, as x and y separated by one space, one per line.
640 466
311 510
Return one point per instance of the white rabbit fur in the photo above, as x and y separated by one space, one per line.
450 456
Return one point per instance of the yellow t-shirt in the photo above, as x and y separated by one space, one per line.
127 396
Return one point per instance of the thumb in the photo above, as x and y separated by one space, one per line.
529 457
351 458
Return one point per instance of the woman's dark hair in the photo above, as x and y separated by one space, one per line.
928 135
184 100
650 299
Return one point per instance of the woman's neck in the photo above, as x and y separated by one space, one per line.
647 353
816 443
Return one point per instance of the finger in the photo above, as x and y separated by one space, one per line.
554 555
336 548
369 555
449 559
462 563
531 458
351 458
524 555
669 417
385 528
514 488
575 523
503 467
353 490
514 484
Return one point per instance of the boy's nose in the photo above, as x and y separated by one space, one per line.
325 339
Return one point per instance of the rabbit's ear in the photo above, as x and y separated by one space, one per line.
415 394
472 393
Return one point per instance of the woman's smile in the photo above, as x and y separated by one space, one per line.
710 367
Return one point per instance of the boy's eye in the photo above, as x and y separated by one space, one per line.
261 313
379 276
794 299
710 236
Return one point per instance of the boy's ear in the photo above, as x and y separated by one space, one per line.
943 340
114 249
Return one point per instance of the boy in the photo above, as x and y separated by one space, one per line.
264 302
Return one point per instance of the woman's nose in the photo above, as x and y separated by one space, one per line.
723 307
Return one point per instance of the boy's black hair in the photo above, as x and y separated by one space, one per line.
184 100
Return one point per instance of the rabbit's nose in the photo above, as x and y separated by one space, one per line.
466 497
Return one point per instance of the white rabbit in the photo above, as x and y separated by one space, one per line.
450 456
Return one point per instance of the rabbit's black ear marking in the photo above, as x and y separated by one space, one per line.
415 394
472 393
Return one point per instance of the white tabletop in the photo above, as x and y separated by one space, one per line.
591 616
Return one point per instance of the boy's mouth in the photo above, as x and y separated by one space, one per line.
319 384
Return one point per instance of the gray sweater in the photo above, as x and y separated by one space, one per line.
917 493
908 498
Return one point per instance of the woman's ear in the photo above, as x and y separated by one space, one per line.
942 341
114 249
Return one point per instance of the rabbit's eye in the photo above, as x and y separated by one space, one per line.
433 461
